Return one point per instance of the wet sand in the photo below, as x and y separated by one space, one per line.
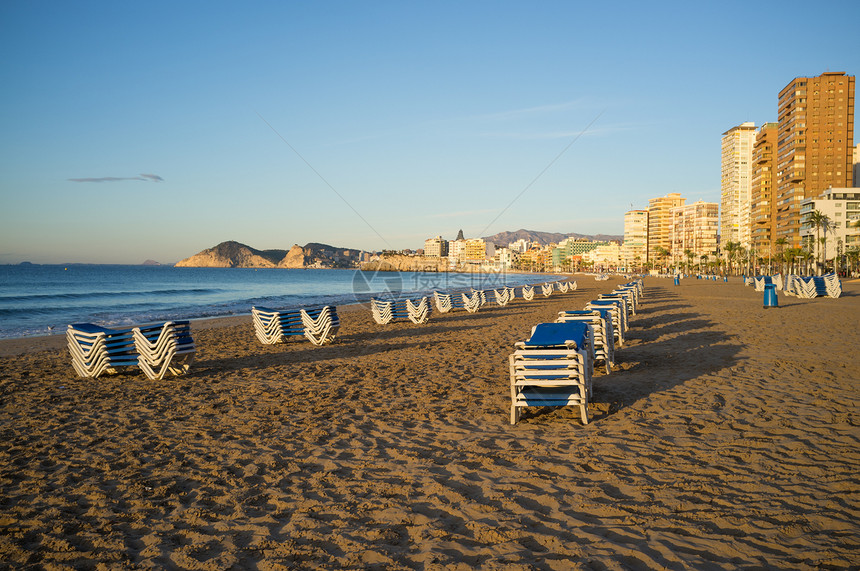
727 437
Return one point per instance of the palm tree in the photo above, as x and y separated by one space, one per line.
690 255
731 249
853 255
819 220
662 253
791 256
703 261
781 242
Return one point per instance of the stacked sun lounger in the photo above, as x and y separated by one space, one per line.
618 310
321 324
386 311
277 325
472 302
546 289
528 292
446 302
164 348
156 349
833 286
97 350
603 337
827 285
555 366
635 289
760 282
481 295
502 296
318 325
418 311
552 368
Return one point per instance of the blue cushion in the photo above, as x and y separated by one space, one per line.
556 334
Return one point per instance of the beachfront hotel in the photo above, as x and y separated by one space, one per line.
815 147
634 250
842 208
763 188
660 223
572 249
694 229
735 183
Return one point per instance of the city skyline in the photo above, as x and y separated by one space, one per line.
156 131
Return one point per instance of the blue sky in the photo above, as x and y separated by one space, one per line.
154 130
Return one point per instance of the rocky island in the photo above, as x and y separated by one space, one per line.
233 254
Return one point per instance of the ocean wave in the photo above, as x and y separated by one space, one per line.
106 294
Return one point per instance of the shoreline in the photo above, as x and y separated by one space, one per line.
41 331
32 344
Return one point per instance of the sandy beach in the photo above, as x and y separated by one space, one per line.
727 437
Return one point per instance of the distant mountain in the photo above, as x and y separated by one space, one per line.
235 255
544 238
150 263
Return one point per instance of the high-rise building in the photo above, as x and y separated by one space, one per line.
634 251
763 189
660 223
816 144
736 183
694 230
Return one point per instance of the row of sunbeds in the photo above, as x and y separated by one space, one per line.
555 365
385 311
168 347
804 287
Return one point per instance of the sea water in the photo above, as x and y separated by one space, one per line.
44 299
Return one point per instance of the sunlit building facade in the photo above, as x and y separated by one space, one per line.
694 230
816 144
436 247
763 197
736 183
634 250
660 223
842 208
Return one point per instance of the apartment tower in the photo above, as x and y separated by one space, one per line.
694 230
660 223
763 189
816 144
736 183
634 251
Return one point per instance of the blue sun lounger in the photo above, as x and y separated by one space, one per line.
553 367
